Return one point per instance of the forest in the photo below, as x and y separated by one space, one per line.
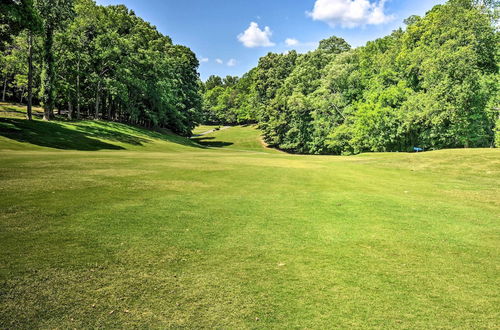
100 62
432 85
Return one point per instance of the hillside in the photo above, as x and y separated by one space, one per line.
87 135
108 225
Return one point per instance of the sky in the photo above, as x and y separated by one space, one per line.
229 36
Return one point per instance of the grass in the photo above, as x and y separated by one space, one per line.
87 135
164 233
243 138
204 128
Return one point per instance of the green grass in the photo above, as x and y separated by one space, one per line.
163 233
241 138
205 128
88 135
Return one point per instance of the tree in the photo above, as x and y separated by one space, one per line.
212 82
53 14
334 45
15 16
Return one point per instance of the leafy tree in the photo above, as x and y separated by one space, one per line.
53 13
212 82
334 45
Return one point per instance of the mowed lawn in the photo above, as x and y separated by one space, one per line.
105 225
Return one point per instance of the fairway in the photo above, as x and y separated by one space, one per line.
107 225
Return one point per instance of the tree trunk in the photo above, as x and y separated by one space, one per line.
109 107
29 111
22 96
48 75
70 108
96 116
78 89
4 88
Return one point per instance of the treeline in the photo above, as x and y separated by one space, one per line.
97 62
433 85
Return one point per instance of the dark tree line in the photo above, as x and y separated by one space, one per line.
91 61
432 85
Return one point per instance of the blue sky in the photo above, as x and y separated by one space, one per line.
229 36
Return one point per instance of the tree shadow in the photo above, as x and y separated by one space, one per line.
47 134
205 141
127 133
12 110
112 132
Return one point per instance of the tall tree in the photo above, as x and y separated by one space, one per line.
54 14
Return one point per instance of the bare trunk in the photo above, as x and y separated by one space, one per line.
4 89
109 107
78 89
29 111
22 96
70 109
96 115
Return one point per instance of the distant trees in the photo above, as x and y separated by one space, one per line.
102 63
434 85
229 100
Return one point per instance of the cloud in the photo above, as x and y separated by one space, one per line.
232 62
203 60
350 13
291 42
255 37
219 61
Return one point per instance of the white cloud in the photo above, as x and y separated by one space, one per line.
203 60
219 61
232 62
350 13
291 42
255 37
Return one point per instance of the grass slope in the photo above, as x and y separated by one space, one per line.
205 128
88 135
167 234
240 138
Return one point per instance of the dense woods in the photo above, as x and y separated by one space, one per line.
91 61
432 85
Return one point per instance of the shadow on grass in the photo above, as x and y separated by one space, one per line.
22 114
52 135
111 132
133 135
205 141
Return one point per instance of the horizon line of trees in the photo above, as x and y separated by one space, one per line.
432 85
100 62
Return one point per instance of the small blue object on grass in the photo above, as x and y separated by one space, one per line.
418 149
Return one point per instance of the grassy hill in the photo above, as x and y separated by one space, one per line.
107 225
88 135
